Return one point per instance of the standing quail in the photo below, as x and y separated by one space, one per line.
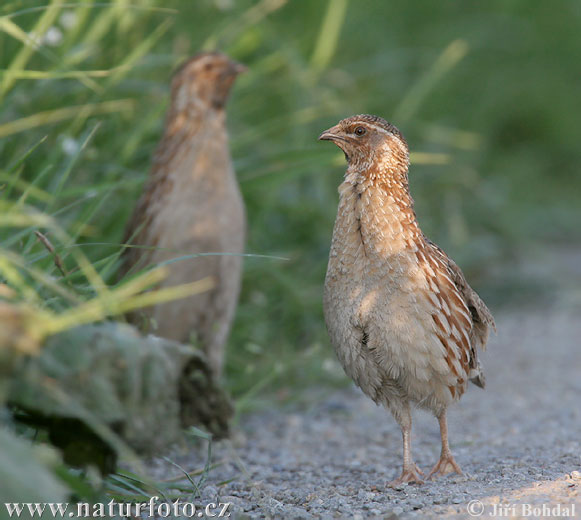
192 204
404 322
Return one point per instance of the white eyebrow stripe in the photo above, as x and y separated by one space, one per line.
376 127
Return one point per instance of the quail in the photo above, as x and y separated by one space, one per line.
192 204
405 324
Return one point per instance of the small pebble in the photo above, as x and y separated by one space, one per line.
416 504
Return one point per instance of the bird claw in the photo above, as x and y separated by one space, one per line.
445 465
408 476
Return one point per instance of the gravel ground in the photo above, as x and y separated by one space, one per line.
518 442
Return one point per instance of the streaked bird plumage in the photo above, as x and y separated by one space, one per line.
404 322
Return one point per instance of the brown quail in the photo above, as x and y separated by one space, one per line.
404 322
192 204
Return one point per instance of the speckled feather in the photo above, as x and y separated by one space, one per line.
403 320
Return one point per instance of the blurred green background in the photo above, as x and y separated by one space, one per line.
487 95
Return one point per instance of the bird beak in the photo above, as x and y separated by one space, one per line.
332 134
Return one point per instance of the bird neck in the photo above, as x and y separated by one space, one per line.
386 177
192 118
383 209
183 125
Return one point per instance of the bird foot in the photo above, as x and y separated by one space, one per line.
445 465
409 475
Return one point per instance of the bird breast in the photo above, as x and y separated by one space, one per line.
377 304
203 204
375 233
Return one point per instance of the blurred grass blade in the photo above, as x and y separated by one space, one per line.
83 4
119 301
197 255
447 60
11 275
9 27
28 46
185 473
142 127
40 276
16 70
20 160
54 75
61 114
14 182
462 139
329 34
138 52
101 24
83 227
430 158
251 17
18 219
67 171
243 400
34 219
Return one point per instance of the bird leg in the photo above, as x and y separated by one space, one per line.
446 464
410 472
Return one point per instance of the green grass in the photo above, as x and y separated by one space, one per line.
485 94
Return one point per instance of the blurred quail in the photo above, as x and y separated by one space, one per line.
192 204
404 322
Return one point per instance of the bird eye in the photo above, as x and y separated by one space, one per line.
359 131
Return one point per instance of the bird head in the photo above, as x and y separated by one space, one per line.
369 141
205 80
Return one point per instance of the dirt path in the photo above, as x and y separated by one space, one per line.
518 442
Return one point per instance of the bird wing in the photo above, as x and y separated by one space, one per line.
481 316
457 302
178 132
138 228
